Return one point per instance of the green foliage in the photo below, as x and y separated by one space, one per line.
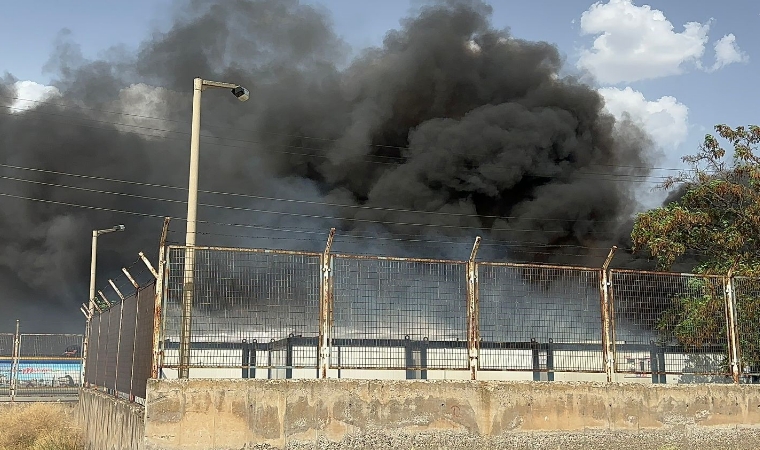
695 320
717 218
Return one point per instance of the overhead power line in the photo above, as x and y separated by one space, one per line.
290 230
306 137
290 214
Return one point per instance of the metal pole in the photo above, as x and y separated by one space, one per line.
91 303
158 299
192 213
325 307
93 262
608 343
731 326
473 312
14 361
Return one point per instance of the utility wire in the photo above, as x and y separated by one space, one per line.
258 197
281 213
633 178
295 136
290 230
378 159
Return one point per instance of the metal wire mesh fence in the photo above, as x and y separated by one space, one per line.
281 314
747 312
670 324
270 299
119 355
540 318
44 366
398 314
49 365
6 363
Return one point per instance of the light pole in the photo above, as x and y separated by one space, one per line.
199 85
91 303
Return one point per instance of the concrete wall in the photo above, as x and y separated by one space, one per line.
109 423
359 414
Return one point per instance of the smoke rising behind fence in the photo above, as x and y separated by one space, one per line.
449 116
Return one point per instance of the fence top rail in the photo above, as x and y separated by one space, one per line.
654 272
745 277
538 266
52 334
398 258
247 250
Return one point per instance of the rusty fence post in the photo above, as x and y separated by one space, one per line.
14 361
608 332
473 312
732 326
325 306
118 341
157 360
134 335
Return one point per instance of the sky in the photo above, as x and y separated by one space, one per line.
678 68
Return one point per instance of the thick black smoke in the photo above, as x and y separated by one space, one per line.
448 116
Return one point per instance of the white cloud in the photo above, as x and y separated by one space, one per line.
728 52
29 95
638 42
666 120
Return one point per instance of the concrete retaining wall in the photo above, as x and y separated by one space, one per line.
358 414
109 423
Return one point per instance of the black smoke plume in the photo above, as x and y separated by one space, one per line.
449 116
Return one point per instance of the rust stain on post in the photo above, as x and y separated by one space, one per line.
606 307
325 307
473 310
155 367
147 263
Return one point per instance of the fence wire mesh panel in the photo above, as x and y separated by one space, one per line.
540 318
398 314
49 365
143 344
6 363
669 323
93 350
240 294
126 340
120 346
747 300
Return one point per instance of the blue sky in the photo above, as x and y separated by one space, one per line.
666 78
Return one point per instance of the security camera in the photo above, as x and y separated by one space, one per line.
119 228
241 93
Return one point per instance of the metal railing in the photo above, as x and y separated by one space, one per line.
283 314
40 366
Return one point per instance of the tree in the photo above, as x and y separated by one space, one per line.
715 216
